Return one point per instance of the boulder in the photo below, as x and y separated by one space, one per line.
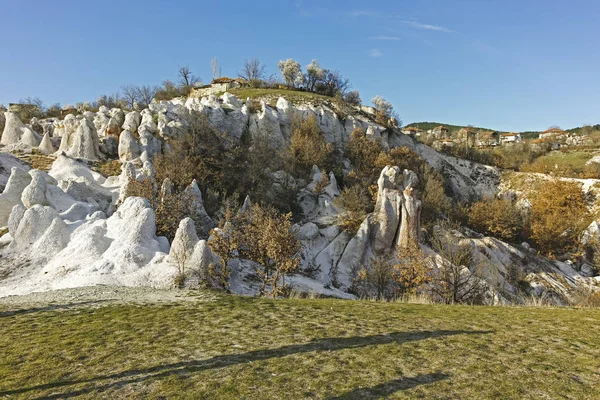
13 129
46 146
83 143
35 192
128 147
132 121
183 243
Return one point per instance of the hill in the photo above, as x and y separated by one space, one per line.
210 345
525 134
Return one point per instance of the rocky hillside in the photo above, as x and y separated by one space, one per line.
71 226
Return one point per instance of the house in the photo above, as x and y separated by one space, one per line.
507 138
488 138
441 144
411 130
468 136
439 132
218 85
552 132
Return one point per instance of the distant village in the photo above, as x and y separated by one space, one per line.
441 137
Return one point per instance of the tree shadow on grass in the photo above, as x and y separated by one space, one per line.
391 387
226 360
52 307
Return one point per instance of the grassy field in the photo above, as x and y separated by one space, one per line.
571 160
233 347
271 96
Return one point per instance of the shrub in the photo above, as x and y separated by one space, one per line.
307 146
357 203
558 217
264 236
496 217
412 272
363 152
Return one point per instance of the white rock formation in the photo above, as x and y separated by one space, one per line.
83 143
46 146
11 196
128 147
16 132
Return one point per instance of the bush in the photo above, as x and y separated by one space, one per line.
496 217
363 153
264 236
413 271
357 203
558 217
307 146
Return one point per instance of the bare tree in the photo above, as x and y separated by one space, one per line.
456 280
145 94
186 78
213 66
130 95
253 71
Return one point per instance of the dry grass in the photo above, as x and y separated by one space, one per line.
253 348
109 168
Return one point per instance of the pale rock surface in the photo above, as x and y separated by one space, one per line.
128 147
15 218
83 143
132 121
46 146
35 192
11 195
203 222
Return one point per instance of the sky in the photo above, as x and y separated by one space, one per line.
508 65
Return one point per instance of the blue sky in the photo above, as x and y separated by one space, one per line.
509 65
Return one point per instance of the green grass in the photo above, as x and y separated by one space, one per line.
251 348
573 161
271 96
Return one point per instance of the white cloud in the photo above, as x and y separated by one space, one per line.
375 53
363 13
418 25
384 38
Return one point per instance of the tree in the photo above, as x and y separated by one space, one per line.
291 72
314 75
130 95
253 71
384 111
264 236
186 78
353 98
145 94
413 270
456 280
333 84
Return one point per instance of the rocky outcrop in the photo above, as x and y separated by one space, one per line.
35 192
16 132
128 147
11 196
196 209
132 121
46 146
83 143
